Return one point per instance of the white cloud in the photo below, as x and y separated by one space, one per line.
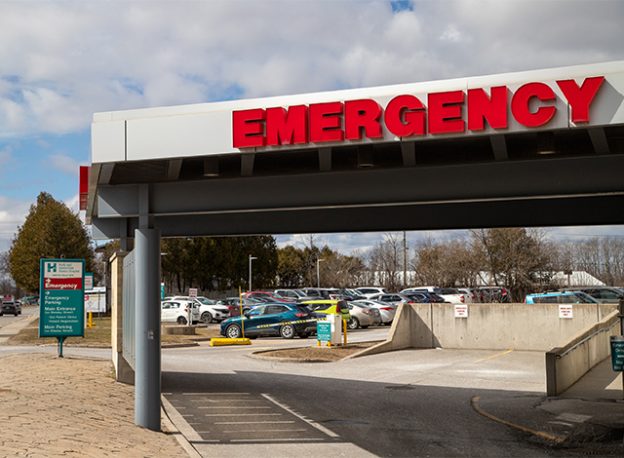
12 214
68 59
64 164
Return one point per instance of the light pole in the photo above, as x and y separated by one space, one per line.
318 272
251 258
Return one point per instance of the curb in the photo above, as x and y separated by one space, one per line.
554 438
174 430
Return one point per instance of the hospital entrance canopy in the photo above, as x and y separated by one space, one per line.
534 148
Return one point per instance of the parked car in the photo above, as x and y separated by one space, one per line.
328 306
293 295
560 297
209 310
266 296
492 294
177 311
368 291
233 304
425 297
603 294
362 316
11 307
275 319
30 300
386 311
392 298
448 294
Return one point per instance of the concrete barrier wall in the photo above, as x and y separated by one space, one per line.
488 326
511 326
567 364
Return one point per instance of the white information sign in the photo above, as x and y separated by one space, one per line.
461 310
566 311
193 292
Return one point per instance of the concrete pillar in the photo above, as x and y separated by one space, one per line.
147 343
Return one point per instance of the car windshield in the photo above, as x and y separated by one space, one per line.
206 301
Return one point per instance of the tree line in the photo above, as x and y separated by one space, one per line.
520 259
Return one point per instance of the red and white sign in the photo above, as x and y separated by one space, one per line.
60 275
566 311
532 105
192 292
461 310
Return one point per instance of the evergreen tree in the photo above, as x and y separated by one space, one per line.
50 230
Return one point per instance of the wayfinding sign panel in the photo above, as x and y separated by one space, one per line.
617 353
61 297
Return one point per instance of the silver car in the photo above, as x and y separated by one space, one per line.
387 311
362 316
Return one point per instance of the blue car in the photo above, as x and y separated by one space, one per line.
283 319
560 297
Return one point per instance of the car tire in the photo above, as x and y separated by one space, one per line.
287 331
181 320
233 331
364 327
206 317
353 323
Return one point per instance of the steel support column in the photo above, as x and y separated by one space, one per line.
147 309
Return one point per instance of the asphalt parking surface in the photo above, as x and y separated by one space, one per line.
239 417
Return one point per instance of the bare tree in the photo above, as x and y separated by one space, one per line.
386 259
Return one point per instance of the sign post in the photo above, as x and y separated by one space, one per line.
61 293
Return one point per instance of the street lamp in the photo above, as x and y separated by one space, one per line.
318 272
251 258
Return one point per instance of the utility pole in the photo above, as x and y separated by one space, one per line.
318 272
404 260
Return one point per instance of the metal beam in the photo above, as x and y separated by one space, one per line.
174 166
247 164
408 151
499 147
563 211
325 159
370 187
599 140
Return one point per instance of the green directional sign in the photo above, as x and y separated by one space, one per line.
61 298
323 331
617 353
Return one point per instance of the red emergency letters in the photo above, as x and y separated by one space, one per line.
451 112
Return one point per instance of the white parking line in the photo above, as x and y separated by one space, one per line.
314 424
252 422
247 431
291 439
234 407
239 414
214 394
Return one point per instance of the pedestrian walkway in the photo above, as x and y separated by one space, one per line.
71 407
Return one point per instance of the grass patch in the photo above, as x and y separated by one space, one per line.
100 336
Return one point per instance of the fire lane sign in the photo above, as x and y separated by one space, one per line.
61 297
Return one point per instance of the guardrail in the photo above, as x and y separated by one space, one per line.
566 365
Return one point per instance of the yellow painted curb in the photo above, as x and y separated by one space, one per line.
220 341
544 435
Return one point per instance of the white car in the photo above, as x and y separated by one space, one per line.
451 295
179 311
209 310
387 311
368 291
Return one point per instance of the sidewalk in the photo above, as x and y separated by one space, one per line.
590 413
70 407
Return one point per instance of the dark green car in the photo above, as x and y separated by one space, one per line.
283 319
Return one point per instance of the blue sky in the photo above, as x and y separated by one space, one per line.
64 60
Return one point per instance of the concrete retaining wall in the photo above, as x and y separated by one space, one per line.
566 365
488 326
